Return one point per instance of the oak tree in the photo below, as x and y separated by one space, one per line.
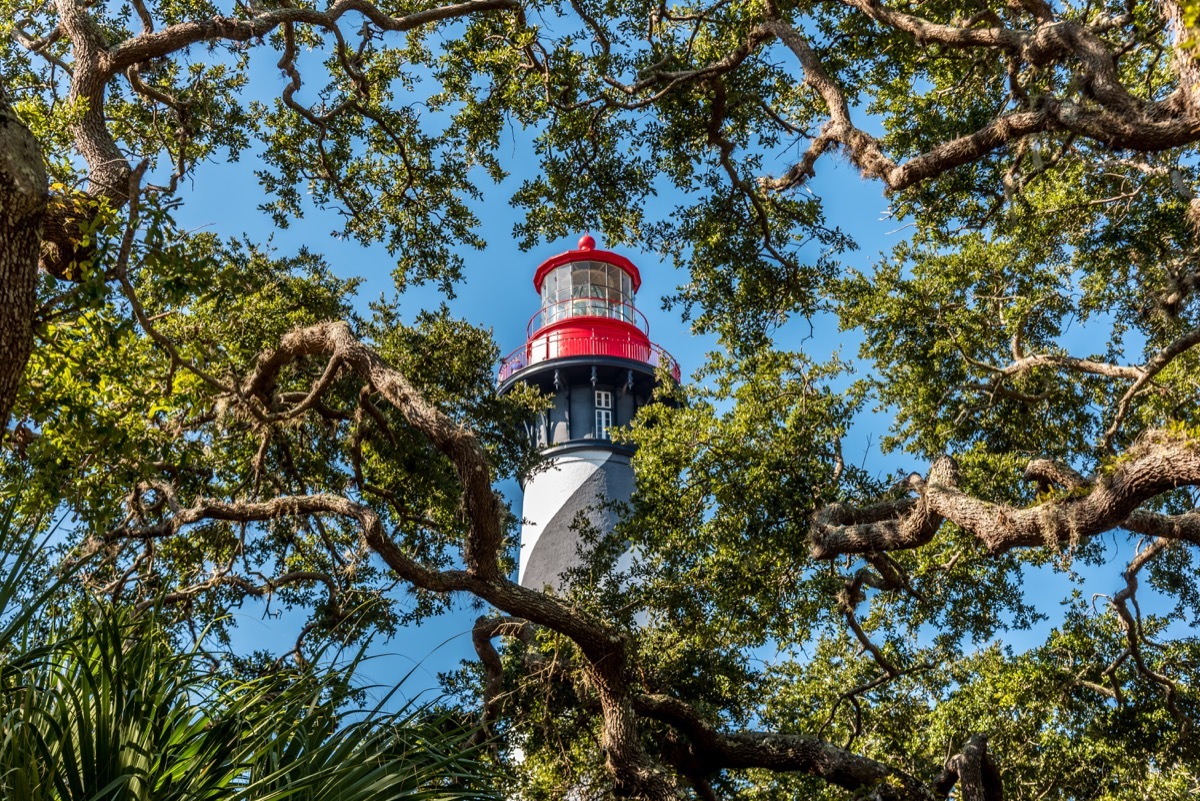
220 423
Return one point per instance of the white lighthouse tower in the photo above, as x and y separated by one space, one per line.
589 348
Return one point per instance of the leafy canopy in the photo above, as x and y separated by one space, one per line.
218 421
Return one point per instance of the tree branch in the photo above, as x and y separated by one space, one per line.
486 629
1159 462
973 771
458 444
1147 373
156 44
373 534
1132 624
1112 114
781 752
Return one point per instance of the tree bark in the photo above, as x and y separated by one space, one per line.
1160 461
23 196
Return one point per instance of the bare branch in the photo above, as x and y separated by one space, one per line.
1067 363
849 598
41 46
177 359
257 590
862 148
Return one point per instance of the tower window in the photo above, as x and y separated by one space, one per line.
603 413
603 422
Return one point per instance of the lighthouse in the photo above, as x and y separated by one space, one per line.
588 348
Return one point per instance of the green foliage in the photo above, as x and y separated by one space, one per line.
1018 267
106 408
104 707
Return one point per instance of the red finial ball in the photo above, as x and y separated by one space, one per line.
586 242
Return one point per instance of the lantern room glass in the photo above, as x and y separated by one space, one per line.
587 289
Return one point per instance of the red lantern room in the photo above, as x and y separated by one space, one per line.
587 310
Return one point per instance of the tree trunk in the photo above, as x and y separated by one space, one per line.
23 196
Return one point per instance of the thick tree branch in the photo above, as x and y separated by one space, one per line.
1067 363
156 44
896 525
1183 527
973 771
782 752
1158 463
487 629
108 167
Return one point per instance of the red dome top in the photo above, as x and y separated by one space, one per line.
587 252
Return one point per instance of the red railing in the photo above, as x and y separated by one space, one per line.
587 307
562 344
